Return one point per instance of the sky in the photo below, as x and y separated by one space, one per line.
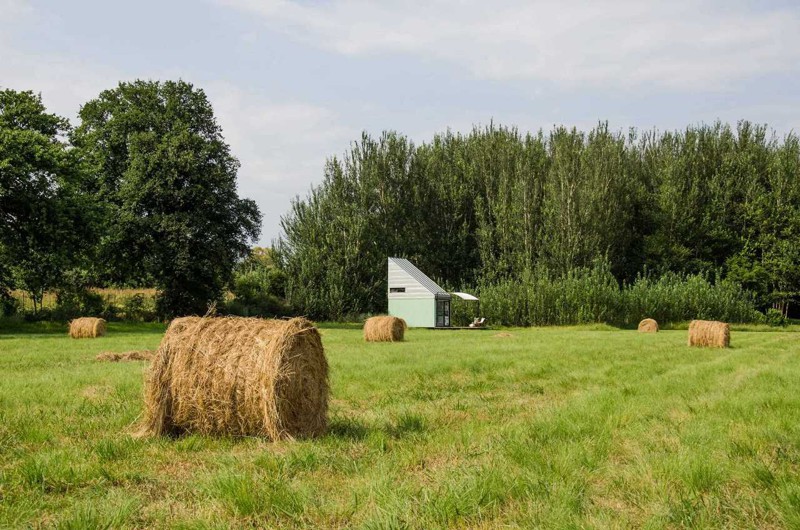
293 83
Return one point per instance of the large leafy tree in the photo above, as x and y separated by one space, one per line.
45 223
168 181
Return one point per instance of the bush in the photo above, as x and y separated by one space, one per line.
677 298
73 303
139 308
775 318
581 296
253 296
8 305
462 312
593 295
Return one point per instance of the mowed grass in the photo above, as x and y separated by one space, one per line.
554 427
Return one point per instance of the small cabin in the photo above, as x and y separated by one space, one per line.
416 298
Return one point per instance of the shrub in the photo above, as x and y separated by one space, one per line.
775 317
76 302
253 296
593 295
8 305
138 308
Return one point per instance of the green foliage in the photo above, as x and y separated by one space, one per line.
73 300
146 195
72 303
592 295
676 298
45 223
8 305
497 208
774 317
139 308
167 182
254 297
338 239
259 286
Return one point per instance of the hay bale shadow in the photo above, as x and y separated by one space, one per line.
348 429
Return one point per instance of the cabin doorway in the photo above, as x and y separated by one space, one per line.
442 313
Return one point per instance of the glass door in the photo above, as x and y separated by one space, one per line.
442 313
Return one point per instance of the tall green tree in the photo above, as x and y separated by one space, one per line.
167 180
769 260
336 241
45 223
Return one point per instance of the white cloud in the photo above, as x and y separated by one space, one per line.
12 11
282 146
685 44
64 83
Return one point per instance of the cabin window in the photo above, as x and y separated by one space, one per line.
397 289
442 313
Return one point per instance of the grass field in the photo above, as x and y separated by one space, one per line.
553 427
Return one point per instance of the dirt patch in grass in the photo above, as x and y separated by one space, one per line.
96 392
137 355
427 467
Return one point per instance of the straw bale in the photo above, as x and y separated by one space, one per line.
648 325
709 333
238 377
384 329
87 328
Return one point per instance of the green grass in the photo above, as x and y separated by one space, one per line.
550 427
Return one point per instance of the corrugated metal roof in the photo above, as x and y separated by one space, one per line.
418 275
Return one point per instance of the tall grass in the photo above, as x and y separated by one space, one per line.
590 295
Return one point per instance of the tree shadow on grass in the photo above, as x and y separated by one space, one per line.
339 325
154 328
11 327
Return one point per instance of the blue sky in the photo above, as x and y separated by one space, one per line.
293 83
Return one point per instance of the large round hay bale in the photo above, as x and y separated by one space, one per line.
238 377
87 328
384 329
709 333
648 325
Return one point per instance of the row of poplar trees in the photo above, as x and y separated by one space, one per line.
495 204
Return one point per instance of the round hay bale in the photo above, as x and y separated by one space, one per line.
709 333
87 328
384 329
648 325
238 377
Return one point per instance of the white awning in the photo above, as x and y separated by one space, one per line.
466 296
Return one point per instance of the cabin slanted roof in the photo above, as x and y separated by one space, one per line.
420 277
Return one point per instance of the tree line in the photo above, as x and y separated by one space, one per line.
141 193
497 207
